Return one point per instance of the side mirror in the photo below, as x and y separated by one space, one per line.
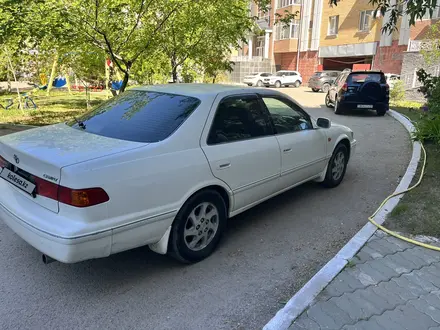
323 123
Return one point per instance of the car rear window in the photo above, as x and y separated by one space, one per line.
362 77
140 116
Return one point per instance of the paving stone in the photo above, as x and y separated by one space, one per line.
362 257
364 325
434 328
382 267
400 260
433 299
396 266
368 308
386 321
381 248
425 255
414 319
373 253
351 281
402 244
424 306
389 292
361 276
322 319
376 300
405 284
415 259
414 277
352 309
340 317
372 273
426 274
303 322
389 245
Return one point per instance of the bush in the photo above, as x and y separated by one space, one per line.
428 129
397 93
434 100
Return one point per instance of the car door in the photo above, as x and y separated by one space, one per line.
242 150
336 86
303 148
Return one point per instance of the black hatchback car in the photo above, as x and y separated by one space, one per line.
359 90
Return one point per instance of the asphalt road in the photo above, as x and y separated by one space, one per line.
267 254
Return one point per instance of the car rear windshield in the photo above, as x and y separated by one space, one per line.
140 116
361 77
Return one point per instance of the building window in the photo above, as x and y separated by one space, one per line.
290 31
333 25
286 3
365 20
260 46
294 29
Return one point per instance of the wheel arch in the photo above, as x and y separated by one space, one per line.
161 246
344 141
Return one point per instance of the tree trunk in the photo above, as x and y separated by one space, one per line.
52 74
15 79
124 81
9 82
107 80
66 73
174 69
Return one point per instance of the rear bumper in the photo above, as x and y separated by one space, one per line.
353 105
315 84
66 250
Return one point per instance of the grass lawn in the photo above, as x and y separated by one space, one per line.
58 107
418 212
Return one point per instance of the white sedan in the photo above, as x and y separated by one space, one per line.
256 79
163 166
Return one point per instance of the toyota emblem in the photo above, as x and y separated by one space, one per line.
17 160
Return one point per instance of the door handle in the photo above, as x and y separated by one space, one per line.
223 166
287 150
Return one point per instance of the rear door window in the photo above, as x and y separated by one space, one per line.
361 77
140 116
239 118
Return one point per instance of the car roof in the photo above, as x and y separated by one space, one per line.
195 90
366 71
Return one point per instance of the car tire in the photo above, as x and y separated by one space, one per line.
380 113
297 84
315 90
205 232
325 88
337 108
277 84
328 103
259 83
337 166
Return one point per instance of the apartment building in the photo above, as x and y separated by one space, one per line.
321 36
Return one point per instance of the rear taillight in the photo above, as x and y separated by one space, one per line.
82 197
74 197
345 87
3 162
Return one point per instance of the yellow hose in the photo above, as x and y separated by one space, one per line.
392 233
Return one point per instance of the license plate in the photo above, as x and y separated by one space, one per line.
365 106
17 180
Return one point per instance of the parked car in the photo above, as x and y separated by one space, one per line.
256 79
163 166
391 79
284 78
322 80
359 90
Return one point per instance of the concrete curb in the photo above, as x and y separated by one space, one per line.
305 296
12 126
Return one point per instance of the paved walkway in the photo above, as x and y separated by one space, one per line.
390 284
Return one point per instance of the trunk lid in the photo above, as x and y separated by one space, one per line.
44 151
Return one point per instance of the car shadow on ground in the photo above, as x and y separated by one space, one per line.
142 263
353 112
